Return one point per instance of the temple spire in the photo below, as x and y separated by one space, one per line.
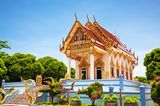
76 16
94 18
87 18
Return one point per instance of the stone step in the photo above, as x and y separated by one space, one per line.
22 98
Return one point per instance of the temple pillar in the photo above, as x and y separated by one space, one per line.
115 72
109 67
91 66
69 66
129 75
77 70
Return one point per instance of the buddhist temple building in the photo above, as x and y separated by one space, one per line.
98 54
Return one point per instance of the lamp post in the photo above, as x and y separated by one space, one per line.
120 96
121 88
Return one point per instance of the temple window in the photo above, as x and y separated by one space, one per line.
118 73
112 72
99 72
131 76
84 74
127 75
122 72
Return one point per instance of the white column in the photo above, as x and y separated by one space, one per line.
91 66
69 66
109 67
76 69
115 71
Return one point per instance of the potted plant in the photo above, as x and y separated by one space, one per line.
75 101
130 101
110 100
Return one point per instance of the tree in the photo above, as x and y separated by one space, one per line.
21 64
53 67
152 63
3 44
155 90
38 69
3 69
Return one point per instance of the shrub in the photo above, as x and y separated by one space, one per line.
94 91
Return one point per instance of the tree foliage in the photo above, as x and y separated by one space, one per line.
152 63
12 67
155 90
53 67
3 44
3 69
141 79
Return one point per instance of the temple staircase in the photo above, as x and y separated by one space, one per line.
23 98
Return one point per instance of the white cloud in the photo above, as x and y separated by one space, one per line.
140 69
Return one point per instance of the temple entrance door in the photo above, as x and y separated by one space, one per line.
84 74
99 72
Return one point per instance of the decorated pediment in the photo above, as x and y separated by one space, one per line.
83 63
99 62
79 36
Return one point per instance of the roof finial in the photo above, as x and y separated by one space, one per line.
87 18
76 16
94 18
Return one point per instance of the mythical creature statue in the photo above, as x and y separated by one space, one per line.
54 88
2 93
26 89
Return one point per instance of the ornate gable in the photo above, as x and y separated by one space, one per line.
83 63
79 36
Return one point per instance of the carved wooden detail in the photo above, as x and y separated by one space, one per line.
83 64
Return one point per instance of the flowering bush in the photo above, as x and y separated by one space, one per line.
94 91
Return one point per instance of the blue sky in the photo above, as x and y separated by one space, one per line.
37 26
